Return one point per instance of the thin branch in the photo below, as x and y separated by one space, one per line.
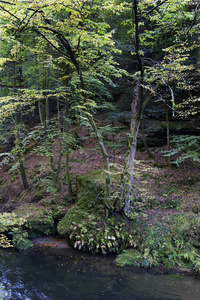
30 17
57 49
137 47
10 13
79 40
6 2
194 20
172 94
151 10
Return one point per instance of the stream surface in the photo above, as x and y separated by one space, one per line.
59 272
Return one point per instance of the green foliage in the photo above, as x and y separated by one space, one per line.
168 202
197 267
163 247
186 147
11 224
129 257
4 293
20 239
100 235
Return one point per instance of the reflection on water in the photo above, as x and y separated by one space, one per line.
59 274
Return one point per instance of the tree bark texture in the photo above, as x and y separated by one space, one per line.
128 178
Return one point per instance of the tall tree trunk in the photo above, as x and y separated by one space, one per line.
19 155
41 105
127 178
47 122
17 121
113 141
168 139
105 159
58 173
66 130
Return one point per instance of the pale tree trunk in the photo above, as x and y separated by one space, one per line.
59 173
41 104
19 155
105 159
66 130
128 178
47 122
168 139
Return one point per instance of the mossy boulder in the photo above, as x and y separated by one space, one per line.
90 186
75 215
89 229
40 219
87 226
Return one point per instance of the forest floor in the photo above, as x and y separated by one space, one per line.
161 193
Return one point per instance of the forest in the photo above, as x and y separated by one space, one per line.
99 119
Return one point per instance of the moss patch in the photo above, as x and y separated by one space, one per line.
40 219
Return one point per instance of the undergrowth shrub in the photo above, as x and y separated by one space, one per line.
187 147
88 228
12 231
173 245
103 235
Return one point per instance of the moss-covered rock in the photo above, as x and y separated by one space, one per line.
89 229
75 215
87 226
90 186
40 219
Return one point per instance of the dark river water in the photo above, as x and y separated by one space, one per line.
59 273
